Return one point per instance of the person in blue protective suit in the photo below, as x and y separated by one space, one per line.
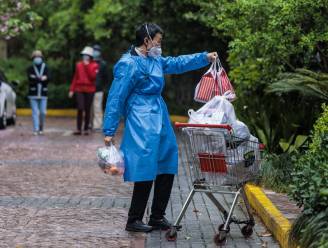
148 143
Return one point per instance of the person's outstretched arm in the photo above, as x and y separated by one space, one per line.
121 88
184 63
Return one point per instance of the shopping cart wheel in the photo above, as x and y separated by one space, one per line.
220 228
171 234
247 230
220 238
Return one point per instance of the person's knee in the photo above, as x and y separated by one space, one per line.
35 111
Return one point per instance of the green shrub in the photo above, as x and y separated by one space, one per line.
15 70
309 188
276 171
58 96
311 231
320 130
310 177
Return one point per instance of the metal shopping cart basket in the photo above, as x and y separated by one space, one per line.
218 162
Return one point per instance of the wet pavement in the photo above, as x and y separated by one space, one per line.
52 194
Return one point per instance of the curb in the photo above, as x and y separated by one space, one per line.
72 113
50 112
270 215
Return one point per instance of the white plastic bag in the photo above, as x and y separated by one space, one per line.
200 118
243 162
110 160
240 130
217 111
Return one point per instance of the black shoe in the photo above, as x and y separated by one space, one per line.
78 132
162 224
138 226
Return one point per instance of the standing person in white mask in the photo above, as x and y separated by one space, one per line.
148 144
83 86
38 77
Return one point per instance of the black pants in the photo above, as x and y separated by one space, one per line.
141 191
84 101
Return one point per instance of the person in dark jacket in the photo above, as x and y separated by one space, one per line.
38 77
101 81
84 86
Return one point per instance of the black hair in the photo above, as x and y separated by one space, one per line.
97 47
141 32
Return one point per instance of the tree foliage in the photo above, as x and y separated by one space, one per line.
68 26
309 188
306 82
16 16
257 41
268 37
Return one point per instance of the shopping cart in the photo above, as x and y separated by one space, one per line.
218 162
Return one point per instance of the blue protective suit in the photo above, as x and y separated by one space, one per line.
148 144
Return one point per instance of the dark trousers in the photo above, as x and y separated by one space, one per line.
141 191
84 101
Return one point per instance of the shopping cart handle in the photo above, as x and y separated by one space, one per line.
224 126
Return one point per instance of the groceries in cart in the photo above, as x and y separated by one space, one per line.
234 150
214 82
110 160
218 152
219 111
218 163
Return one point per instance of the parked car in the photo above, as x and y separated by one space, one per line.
7 102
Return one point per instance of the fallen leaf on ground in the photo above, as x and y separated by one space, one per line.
264 244
265 234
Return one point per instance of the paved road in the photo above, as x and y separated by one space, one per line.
53 195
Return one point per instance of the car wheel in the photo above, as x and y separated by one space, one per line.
12 120
3 119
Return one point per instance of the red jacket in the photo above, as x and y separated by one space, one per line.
84 79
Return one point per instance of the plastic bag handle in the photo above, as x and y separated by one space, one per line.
111 143
219 64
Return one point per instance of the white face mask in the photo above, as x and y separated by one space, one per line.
154 51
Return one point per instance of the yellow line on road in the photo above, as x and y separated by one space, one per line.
72 113
50 112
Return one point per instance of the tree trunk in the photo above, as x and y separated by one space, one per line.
3 49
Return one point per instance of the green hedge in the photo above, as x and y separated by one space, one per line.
309 188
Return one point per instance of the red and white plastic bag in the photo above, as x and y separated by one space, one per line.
225 86
207 86
214 82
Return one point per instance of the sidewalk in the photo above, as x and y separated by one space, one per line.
288 208
53 195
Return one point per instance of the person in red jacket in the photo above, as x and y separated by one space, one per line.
84 86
